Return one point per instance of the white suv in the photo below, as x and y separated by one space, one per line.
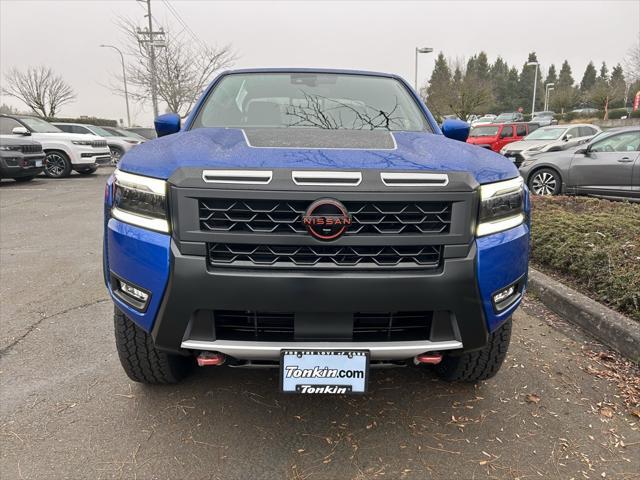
117 144
63 151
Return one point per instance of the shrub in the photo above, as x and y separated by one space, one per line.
617 113
635 114
594 244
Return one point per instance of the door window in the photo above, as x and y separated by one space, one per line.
587 131
623 142
7 125
521 130
507 131
573 132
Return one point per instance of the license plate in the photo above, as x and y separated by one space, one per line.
38 163
326 371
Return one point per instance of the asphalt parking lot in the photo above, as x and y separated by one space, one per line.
67 410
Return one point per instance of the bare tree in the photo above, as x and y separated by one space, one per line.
470 93
39 88
632 64
183 67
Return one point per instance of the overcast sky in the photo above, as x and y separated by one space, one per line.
370 35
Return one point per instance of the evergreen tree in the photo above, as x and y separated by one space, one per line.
499 74
619 85
604 71
588 79
438 93
551 75
565 79
526 85
512 103
482 67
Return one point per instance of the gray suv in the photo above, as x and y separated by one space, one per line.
607 166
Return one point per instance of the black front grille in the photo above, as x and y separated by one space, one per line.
278 327
323 256
285 217
256 326
99 143
31 148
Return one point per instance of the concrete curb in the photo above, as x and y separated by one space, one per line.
611 328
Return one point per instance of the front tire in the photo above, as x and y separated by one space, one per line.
480 364
56 164
545 182
141 361
116 155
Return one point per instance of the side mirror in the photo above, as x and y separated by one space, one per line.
583 151
21 131
167 124
456 129
567 137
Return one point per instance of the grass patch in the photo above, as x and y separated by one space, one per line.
594 244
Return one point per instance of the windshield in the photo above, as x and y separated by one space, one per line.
506 116
102 132
311 100
543 114
484 131
38 125
130 134
546 133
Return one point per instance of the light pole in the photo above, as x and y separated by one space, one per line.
419 50
547 88
124 78
535 84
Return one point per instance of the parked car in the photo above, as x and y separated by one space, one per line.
484 120
118 145
64 152
20 158
544 119
549 139
497 135
148 133
121 132
243 239
509 117
584 111
607 166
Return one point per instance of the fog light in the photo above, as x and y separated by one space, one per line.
134 292
504 294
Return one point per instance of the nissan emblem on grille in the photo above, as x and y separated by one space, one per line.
326 219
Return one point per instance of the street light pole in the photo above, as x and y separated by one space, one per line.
124 78
547 88
419 50
535 84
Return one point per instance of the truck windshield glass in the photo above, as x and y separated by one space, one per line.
39 126
484 131
311 100
546 134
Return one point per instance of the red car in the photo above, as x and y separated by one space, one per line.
497 135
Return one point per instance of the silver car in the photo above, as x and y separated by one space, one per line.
607 166
544 119
549 139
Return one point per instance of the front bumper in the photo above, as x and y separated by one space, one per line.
17 164
88 156
186 289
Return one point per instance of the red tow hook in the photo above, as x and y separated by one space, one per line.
429 358
208 359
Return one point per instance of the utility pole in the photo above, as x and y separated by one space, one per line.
150 38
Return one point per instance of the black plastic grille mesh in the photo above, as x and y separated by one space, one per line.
424 256
285 217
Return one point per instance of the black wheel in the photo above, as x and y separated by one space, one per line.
477 365
24 179
141 361
545 182
88 170
116 155
56 164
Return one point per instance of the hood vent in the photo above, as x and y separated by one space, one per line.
417 179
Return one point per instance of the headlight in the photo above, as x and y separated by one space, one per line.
133 142
503 150
537 148
82 142
501 206
10 148
141 201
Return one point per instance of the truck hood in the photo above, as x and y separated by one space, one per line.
332 150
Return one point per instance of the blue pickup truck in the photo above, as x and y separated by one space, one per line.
319 222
